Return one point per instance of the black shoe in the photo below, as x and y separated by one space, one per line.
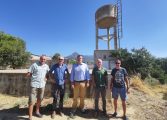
72 115
38 115
83 111
124 117
115 114
104 113
96 114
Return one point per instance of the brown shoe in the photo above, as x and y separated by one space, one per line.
96 114
53 114
59 112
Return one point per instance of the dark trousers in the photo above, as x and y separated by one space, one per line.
102 91
58 95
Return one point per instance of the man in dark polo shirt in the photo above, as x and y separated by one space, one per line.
99 77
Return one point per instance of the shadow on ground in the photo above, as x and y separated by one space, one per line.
165 96
17 113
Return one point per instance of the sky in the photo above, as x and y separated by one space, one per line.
67 26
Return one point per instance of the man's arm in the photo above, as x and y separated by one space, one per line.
28 74
72 77
111 84
127 83
106 79
51 75
68 74
87 76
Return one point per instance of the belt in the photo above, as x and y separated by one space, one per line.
80 81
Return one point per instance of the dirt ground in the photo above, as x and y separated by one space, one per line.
140 106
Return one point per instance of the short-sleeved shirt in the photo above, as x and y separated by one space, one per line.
38 72
59 73
119 77
100 76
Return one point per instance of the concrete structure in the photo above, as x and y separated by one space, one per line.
14 82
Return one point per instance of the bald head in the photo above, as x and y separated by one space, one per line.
99 63
42 59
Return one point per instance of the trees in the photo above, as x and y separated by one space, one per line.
55 57
12 51
142 62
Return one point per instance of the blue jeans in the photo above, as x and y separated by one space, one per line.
102 91
58 95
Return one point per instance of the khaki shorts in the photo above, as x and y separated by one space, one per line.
35 93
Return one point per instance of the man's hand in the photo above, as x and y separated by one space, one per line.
87 84
127 90
45 79
111 86
72 85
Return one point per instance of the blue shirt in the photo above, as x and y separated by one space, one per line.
38 71
59 73
79 72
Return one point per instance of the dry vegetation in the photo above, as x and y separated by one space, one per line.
145 102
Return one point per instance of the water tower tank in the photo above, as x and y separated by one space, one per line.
106 16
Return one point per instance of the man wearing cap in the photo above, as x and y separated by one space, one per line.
58 74
79 81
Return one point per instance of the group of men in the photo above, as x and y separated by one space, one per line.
79 80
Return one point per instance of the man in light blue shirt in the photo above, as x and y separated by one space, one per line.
39 74
79 81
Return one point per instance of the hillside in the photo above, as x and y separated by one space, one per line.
87 58
144 103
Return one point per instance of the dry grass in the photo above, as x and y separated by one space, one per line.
138 84
8 101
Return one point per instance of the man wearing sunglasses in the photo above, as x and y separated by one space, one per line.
119 86
58 74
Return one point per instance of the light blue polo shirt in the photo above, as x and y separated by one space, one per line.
38 72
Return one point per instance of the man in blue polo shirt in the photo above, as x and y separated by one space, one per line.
58 73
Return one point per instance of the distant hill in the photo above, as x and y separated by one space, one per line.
87 58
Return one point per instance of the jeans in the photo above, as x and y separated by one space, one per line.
100 90
58 95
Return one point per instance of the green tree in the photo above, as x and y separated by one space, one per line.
12 51
143 61
55 57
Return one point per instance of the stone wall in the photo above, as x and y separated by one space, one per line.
14 82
